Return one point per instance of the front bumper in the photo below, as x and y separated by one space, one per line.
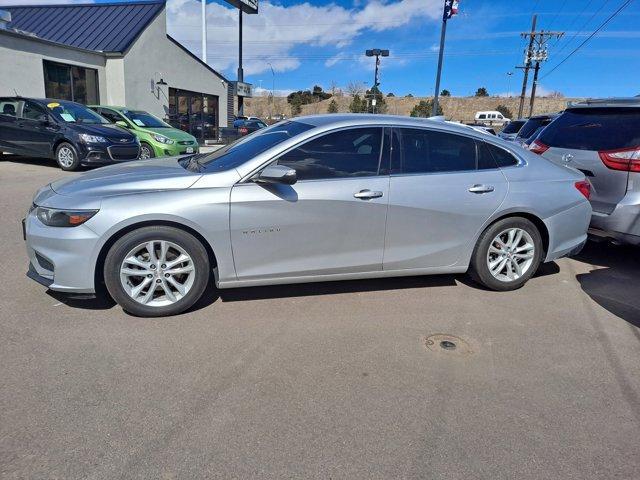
107 154
175 149
61 258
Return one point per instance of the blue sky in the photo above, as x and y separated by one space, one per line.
323 42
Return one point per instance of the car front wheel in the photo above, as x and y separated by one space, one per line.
67 157
507 254
156 271
146 151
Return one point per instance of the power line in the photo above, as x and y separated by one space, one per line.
602 25
581 28
575 18
557 14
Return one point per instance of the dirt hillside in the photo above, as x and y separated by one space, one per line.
455 108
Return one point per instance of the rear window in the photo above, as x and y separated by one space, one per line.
594 129
531 126
513 127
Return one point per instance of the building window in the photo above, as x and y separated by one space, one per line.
69 82
194 112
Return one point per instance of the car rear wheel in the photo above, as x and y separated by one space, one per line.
67 157
156 271
146 151
507 254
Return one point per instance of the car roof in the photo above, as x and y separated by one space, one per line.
606 102
355 119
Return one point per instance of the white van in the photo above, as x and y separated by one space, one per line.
491 117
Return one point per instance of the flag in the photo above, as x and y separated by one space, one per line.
450 9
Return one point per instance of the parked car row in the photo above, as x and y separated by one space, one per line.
601 139
74 134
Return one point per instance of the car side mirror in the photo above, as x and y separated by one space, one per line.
278 174
122 123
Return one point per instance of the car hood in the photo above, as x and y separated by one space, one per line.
130 177
110 131
172 133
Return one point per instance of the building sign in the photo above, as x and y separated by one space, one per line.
242 89
247 6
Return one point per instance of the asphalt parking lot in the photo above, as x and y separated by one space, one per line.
330 380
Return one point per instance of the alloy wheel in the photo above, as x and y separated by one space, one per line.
510 254
66 157
145 152
157 273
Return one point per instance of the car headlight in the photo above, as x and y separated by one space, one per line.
163 139
86 138
53 217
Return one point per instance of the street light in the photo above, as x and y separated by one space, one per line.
509 74
376 52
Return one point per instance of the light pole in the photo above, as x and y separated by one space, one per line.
509 74
376 52
450 9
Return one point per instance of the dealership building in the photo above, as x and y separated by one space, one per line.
111 54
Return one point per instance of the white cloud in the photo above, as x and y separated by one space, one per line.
272 36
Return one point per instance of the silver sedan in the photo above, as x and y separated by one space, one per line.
313 199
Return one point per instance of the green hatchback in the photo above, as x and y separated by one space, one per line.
157 138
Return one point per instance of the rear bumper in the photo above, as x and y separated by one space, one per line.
568 231
623 224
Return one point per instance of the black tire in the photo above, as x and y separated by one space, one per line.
117 253
149 149
479 268
64 151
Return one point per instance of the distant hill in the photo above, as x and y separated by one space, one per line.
460 109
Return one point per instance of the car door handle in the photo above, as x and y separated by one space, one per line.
481 188
367 194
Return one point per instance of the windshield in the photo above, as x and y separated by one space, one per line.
70 112
245 148
513 127
144 119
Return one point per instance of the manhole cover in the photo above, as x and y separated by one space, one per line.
449 344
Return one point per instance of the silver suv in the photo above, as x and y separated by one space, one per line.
601 138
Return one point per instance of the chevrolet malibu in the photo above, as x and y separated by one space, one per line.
313 199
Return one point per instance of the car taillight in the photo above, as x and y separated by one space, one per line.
627 159
584 188
538 147
243 130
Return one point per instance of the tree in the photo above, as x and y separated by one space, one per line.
424 108
390 94
305 97
482 92
381 104
504 110
357 105
355 88
445 93
408 95
333 106
296 106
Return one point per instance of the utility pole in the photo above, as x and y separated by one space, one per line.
537 52
527 66
450 9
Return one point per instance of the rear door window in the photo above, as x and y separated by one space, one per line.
429 151
594 129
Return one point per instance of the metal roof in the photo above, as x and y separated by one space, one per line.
102 27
